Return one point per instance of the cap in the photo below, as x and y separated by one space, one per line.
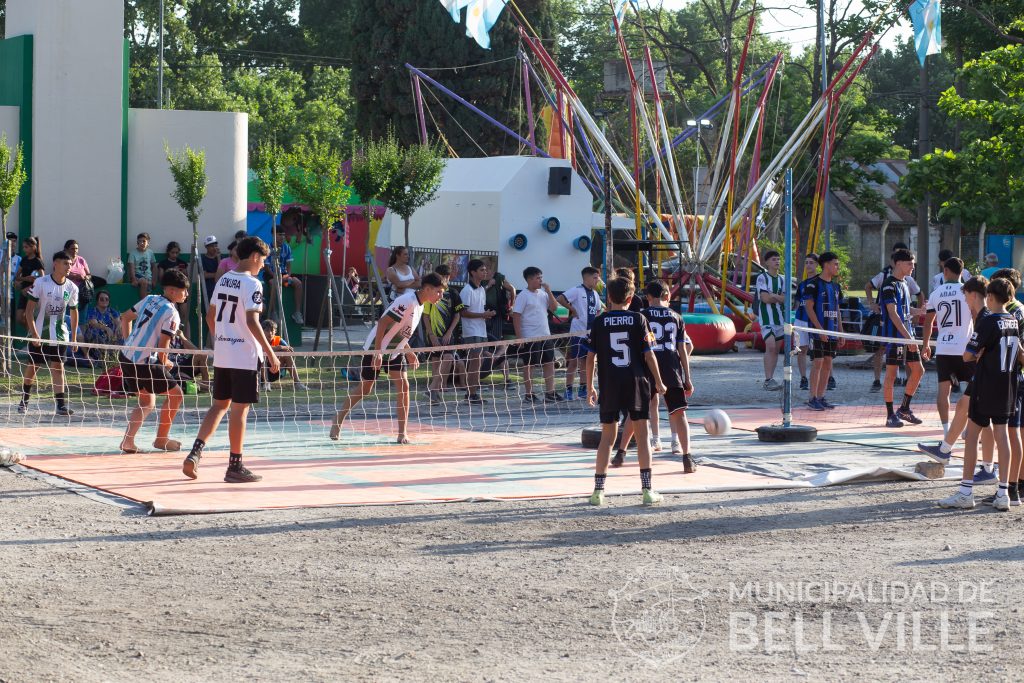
212 239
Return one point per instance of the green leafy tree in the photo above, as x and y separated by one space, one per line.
188 168
415 182
316 180
12 179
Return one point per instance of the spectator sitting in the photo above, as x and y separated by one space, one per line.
285 258
141 265
80 274
29 269
102 324
211 264
352 280
287 362
172 262
188 366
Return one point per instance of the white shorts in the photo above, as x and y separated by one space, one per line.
771 331
803 339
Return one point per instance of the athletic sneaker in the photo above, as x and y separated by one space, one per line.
299 386
240 475
876 386
22 407
893 421
831 383
959 501
1001 503
554 397
618 458
983 476
655 445
569 394
474 400
530 398
581 392
955 388
934 452
815 404
804 384
64 411
265 387
771 385
908 416
988 500
677 447
825 402
900 381
1014 494
597 498
190 468
689 467
297 317
651 498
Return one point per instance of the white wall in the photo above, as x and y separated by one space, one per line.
151 208
9 125
77 121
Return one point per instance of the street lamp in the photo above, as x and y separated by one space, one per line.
694 123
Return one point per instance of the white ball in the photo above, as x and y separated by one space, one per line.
717 422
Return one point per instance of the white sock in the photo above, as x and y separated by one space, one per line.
1003 491
987 466
945 447
967 487
945 429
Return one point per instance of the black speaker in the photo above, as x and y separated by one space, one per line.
560 180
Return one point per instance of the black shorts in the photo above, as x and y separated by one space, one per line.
387 364
632 400
44 354
1017 419
151 378
675 399
983 415
235 385
537 353
949 367
823 347
896 354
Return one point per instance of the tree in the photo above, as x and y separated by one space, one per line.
317 180
12 178
188 168
414 183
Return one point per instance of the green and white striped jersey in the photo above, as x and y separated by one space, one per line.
769 314
54 300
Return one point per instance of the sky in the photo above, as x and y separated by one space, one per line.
795 23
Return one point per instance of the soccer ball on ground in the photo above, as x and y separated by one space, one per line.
717 422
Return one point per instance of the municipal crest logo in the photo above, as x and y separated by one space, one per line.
658 615
257 297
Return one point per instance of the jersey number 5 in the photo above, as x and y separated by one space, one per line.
224 300
619 345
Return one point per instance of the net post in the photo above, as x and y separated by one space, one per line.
787 369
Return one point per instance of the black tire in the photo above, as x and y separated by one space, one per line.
791 434
590 438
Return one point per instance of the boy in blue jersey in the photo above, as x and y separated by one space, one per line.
803 340
894 298
147 372
821 297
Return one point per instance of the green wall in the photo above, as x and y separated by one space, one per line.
16 91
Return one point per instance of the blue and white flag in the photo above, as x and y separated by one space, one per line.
454 8
927 18
480 18
620 12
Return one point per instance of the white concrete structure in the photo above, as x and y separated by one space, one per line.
484 203
98 172
151 208
10 125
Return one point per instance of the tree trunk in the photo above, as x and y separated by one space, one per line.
406 219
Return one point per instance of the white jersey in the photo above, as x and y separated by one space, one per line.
406 311
938 279
156 316
234 345
587 305
877 281
953 318
532 307
473 300
53 302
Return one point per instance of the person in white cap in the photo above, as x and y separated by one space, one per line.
210 261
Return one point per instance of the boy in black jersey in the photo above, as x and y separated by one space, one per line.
619 348
996 346
674 363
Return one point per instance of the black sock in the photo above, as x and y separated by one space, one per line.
645 478
888 408
620 451
599 481
235 461
26 391
197 447
907 398
61 400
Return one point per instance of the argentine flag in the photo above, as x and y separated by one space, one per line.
482 15
927 18
454 8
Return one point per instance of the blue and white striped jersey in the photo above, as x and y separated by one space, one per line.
156 316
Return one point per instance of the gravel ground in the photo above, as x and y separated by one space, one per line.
865 582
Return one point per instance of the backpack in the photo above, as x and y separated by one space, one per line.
110 384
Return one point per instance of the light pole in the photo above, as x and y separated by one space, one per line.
693 123
160 63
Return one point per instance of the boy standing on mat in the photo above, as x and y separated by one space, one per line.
239 350
148 373
995 345
49 298
530 320
390 338
619 348
821 296
584 305
894 298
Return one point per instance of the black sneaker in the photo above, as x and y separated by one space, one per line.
474 400
64 411
900 381
989 500
955 388
620 457
190 468
876 386
804 384
554 397
530 398
22 407
240 475
1014 494
831 383
689 467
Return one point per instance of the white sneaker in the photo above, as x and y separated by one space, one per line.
677 447
1002 503
771 385
267 386
299 386
297 317
655 445
960 501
